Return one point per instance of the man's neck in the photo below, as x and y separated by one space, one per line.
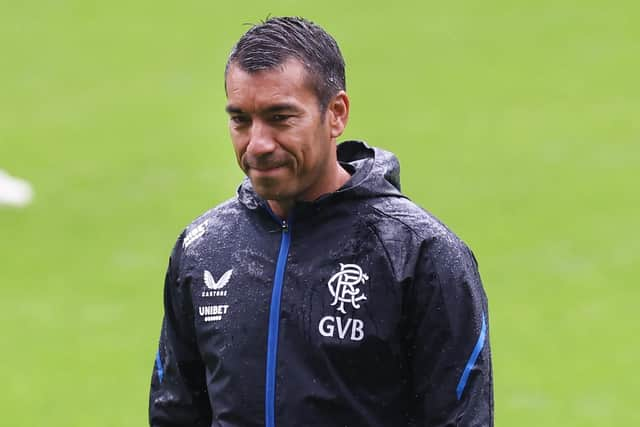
282 208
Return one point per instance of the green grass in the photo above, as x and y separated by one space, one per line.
516 123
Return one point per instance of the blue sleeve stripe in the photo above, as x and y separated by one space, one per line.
159 368
472 360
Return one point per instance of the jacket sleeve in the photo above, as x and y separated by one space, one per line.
178 396
449 354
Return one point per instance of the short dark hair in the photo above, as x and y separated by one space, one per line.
272 42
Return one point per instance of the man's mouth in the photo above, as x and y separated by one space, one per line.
266 168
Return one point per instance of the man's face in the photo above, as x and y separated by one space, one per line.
282 141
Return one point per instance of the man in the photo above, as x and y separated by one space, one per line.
319 295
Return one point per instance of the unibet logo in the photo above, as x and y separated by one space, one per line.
330 325
213 313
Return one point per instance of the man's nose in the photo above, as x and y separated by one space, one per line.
260 139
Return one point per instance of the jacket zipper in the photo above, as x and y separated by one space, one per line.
274 323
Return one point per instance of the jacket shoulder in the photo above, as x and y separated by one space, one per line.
406 216
402 226
212 219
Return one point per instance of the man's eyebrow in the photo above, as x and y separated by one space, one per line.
276 108
280 107
233 110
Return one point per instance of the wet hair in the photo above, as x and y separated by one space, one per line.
271 43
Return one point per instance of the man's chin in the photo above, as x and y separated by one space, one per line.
268 180
267 190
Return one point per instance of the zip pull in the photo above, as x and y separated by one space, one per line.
285 226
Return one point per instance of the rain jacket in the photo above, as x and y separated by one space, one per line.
359 310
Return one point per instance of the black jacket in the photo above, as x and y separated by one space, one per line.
360 310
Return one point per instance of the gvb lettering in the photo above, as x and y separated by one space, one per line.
330 326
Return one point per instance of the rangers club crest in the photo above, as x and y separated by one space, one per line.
344 286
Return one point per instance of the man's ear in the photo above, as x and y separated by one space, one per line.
338 112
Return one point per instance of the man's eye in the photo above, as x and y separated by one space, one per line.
279 117
239 120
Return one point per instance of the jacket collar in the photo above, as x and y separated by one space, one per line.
374 173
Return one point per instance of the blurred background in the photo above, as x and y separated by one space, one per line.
516 123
